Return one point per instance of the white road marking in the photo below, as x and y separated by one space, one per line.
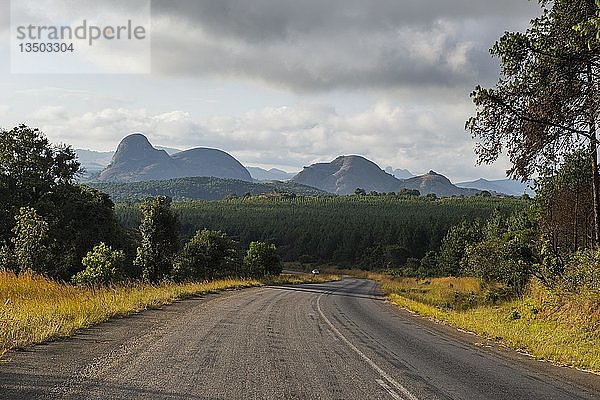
388 389
371 363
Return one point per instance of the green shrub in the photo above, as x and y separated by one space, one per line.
454 246
209 254
261 259
8 261
494 260
582 273
103 266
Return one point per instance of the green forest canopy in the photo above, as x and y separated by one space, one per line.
340 230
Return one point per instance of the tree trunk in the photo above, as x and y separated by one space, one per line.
575 224
594 153
595 186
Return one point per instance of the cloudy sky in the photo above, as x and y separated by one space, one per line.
281 83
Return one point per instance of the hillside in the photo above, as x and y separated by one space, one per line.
198 188
346 173
383 228
136 160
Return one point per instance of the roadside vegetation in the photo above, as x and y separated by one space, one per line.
529 280
552 325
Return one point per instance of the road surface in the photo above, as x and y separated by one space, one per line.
337 340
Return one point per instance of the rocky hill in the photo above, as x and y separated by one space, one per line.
437 184
136 160
346 173
210 162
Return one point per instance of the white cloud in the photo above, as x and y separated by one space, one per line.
414 137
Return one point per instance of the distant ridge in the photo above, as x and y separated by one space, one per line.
399 173
273 174
505 186
136 160
199 188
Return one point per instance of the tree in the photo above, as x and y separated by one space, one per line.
209 254
409 192
506 253
591 27
159 239
34 173
454 246
30 233
360 192
79 218
566 208
30 167
429 264
261 259
546 101
103 266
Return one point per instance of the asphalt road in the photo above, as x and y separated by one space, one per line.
329 341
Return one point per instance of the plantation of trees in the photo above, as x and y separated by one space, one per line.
374 231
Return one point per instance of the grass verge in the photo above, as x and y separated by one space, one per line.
34 309
548 327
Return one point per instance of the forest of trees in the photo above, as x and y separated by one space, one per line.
370 231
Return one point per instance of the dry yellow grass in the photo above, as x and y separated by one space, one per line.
34 309
447 292
538 323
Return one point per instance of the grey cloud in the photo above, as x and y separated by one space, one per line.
315 45
261 20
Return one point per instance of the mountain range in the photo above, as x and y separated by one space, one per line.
347 173
137 160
